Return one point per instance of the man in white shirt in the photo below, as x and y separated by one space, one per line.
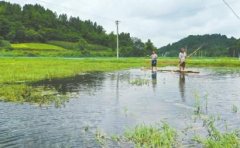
154 60
182 58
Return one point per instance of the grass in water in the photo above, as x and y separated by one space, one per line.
152 136
35 95
101 137
234 109
197 105
140 82
25 70
217 139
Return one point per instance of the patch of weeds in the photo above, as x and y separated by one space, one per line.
125 110
152 136
140 82
206 102
234 109
197 105
116 138
22 93
101 137
217 139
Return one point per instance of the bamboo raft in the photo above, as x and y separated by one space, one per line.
185 71
168 70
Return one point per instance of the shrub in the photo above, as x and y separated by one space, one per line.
5 44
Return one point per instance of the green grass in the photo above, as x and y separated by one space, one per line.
65 44
79 45
14 70
217 139
34 69
56 49
36 46
139 82
24 70
152 136
35 95
39 53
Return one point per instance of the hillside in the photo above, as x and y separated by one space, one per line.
212 45
54 49
34 23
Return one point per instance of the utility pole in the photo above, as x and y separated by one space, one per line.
117 23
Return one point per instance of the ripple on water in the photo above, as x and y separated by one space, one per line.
110 102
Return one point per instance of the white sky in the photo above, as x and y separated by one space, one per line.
162 21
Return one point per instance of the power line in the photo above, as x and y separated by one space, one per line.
238 17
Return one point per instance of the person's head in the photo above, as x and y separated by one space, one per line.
182 50
153 52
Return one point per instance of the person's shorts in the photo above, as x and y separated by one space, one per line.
183 64
154 62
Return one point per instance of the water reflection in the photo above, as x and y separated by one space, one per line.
117 87
90 82
116 105
154 80
182 86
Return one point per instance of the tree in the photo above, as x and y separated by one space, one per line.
149 47
34 23
5 27
212 45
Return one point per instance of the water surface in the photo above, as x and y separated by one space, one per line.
112 102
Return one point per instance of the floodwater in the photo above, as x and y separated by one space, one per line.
113 102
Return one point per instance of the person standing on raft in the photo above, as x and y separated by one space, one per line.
154 61
182 59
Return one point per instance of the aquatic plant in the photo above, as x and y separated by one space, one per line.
217 139
116 138
140 82
151 136
36 95
143 135
125 110
101 137
234 109
197 105
206 102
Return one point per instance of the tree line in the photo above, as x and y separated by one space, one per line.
212 45
34 23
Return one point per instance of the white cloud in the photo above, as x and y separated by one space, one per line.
162 21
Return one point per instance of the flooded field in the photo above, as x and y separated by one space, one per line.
114 102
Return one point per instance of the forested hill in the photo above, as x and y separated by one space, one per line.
34 23
212 45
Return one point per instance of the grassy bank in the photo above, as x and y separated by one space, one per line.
33 69
16 73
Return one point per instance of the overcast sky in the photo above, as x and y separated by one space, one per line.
162 21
